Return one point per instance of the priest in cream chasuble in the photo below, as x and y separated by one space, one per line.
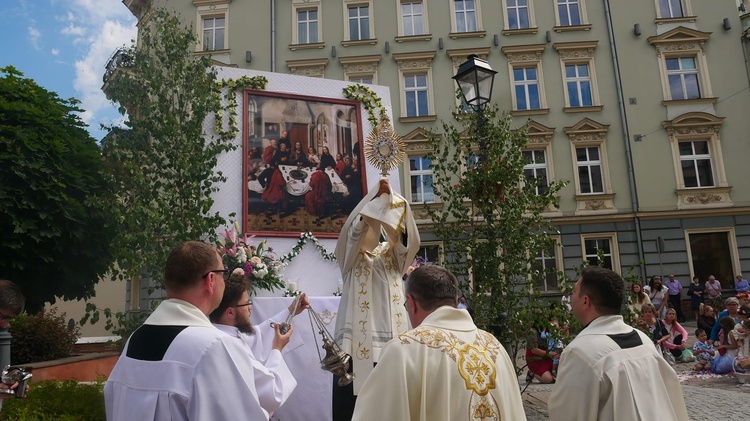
371 311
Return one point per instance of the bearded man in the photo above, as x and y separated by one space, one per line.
273 380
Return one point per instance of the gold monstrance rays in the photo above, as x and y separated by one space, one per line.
384 148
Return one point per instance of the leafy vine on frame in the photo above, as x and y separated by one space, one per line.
233 85
303 237
369 99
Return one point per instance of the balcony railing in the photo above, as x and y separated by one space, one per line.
120 58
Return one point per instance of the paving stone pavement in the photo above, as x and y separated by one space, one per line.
715 399
724 400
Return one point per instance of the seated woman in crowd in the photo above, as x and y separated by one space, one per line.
741 335
676 343
652 325
706 318
538 358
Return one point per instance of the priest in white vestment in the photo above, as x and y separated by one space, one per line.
273 380
445 369
611 371
371 311
177 366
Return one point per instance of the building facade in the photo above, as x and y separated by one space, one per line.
642 105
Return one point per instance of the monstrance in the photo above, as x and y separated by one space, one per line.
384 148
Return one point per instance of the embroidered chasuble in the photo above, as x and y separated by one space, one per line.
371 310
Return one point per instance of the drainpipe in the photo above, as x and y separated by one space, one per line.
743 41
626 138
273 35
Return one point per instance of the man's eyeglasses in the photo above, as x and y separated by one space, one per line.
225 272
248 303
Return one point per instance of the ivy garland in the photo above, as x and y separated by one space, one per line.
303 237
233 85
369 99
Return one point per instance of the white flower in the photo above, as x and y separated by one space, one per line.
241 255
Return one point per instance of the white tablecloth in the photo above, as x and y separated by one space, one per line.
311 400
299 187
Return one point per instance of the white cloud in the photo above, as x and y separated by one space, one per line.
73 30
55 52
34 36
104 40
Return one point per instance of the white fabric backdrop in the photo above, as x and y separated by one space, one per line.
311 400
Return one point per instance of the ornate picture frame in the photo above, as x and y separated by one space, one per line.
282 194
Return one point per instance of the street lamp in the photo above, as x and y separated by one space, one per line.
475 78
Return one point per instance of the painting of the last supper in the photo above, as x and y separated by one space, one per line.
304 165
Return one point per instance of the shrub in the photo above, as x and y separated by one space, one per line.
41 337
58 400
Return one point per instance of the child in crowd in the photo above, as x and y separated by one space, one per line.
727 347
741 335
703 351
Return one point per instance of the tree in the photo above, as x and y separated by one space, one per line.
164 162
491 221
56 215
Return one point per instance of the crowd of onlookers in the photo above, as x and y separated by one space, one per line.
721 341
722 337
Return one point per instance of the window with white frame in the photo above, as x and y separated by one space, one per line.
415 80
412 18
213 33
683 65
671 9
360 69
416 95
535 170
579 75
589 164
517 14
569 12
597 247
527 81
307 26
526 88
465 15
212 24
545 269
432 253
362 79
578 85
698 161
359 22
695 157
420 176
682 75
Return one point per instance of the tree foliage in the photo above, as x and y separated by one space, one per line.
491 221
56 215
165 161
41 337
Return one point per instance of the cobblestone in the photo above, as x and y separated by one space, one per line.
717 399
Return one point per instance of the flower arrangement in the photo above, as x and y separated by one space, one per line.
259 263
417 262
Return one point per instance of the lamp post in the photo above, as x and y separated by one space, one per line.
475 78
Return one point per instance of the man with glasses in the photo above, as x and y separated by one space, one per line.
177 365
12 303
273 380
443 369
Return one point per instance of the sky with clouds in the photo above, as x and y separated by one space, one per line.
64 45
